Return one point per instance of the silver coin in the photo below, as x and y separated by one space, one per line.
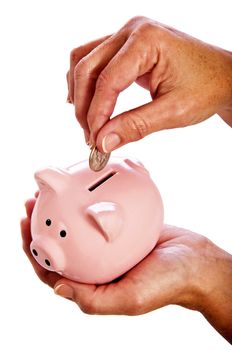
98 160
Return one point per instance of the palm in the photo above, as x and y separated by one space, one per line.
160 276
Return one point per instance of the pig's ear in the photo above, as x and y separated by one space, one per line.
108 217
136 165
52 179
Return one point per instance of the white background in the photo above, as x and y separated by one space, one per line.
191 167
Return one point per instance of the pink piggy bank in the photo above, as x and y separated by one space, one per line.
92 227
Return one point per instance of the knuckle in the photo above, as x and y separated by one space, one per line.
147 31
107 83
203 242
84 69
75 55
80 69
134 21
145 27
103 80
136 125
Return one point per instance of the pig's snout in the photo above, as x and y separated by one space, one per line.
48 254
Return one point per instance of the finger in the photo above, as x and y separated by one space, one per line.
133 125
26 234
29 205
78 292
45 276
109 299
76 55
87 71
126 66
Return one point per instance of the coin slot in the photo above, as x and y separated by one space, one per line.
101 181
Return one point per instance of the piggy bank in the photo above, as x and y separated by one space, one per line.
92 227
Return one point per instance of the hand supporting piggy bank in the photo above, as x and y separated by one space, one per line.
93 227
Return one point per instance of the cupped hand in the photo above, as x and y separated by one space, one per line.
184 269
166 276
188 80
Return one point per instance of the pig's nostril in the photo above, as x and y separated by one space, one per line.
63 233
47 262
35 252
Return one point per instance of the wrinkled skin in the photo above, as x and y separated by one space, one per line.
188 80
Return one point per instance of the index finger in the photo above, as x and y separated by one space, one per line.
125 67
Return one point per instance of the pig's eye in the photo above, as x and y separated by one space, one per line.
48 222
62 233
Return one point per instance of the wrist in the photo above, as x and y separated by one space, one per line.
215 283
217 305
211 289
200 281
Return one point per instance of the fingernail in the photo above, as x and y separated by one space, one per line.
64 291
110 142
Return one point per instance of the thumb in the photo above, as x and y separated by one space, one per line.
106 299
78 292
137 123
